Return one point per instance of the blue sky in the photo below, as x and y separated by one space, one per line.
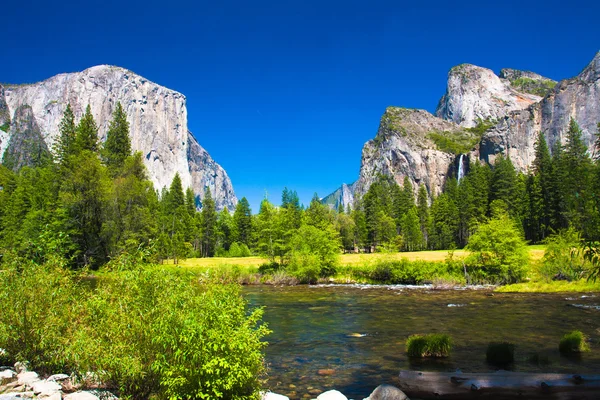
286 93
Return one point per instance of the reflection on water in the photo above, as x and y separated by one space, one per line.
352 338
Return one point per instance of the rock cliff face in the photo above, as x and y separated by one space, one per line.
343 196
474 93
403 147
515 111
26 146
577 98
157 118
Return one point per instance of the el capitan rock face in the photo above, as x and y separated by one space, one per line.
510 103
157 118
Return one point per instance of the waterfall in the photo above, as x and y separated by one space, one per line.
461 171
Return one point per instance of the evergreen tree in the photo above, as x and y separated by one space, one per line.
423 213
242 221
209 225
87 133
224 229
118 144
577 182
540 197
412 237
317 214
65 144
83 198
444 215
504 183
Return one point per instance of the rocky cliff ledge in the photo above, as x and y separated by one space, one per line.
157 118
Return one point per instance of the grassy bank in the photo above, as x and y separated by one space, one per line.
581 286
536 252
441 267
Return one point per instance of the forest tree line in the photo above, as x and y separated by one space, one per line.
89 202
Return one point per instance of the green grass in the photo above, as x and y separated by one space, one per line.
580 286
461 141
434 345
573 342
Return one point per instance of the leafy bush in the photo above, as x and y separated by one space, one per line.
432 345
304 266
35 318
499 252
403 271
573 342
563 258
158 332
500 354
239 250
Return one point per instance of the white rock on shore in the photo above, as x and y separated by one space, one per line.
332 395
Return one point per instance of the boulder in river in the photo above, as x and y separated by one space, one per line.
387 392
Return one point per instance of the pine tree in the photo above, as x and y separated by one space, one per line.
87 133
503 185
118 144
577 182
412 237
209 225
423 213
242 221
541 190
65 144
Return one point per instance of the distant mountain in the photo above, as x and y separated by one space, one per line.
157 118
480 116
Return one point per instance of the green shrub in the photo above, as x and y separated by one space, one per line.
35 320
498 252
406 272
269 267
563 258
432 345
573 342
239 250
143 330
500 354
304 266
5 127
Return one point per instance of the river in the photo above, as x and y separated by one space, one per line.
351 338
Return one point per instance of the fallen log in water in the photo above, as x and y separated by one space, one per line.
499 385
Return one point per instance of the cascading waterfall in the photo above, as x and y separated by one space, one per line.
461 171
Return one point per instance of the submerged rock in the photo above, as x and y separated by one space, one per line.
387 392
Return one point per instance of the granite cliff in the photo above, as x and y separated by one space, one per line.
157 117
480 116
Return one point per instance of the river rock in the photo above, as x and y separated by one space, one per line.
21 367
273 396
53 396
45 387
331 395
387 392
58 377
27 378
82 395
9 396
7 376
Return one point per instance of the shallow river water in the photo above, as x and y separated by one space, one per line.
352 338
